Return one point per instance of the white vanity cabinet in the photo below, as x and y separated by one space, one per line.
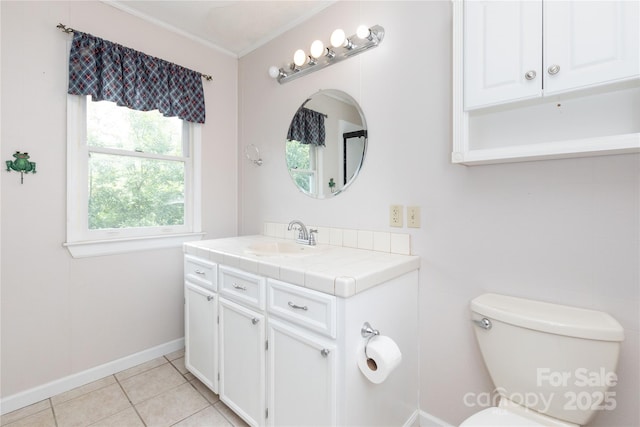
542 79
243 344
301 362
287 354
200 320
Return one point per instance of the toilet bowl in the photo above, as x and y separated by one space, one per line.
541 358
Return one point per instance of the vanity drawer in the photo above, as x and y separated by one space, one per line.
242 287
201 272
305 307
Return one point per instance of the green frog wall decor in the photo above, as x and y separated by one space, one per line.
21 164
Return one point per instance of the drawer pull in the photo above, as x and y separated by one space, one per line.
239 287
298 307
209 297
198 271
325 352
255 320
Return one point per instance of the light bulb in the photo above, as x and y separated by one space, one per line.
274 72
363 32
317 49
299 57
338 37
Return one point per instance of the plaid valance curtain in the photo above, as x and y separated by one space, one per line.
307 127
111 72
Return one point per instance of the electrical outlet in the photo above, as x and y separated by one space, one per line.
395 215
413 216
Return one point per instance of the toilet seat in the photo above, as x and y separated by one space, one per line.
498 417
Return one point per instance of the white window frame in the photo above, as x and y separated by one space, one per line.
82 242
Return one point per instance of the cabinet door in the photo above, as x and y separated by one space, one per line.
591 43
301 377
201 334
502 52
242 361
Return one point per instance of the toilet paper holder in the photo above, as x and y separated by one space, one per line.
368 332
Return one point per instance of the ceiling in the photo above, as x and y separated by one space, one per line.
235 27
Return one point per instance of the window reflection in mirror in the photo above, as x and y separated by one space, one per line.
326 143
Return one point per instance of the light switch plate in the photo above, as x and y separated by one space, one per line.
413 216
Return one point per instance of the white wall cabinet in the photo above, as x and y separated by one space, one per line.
502 45
545 79
590 43
586 43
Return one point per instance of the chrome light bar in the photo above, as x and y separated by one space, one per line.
365 39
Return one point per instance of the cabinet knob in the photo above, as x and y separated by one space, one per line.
209 297
325 352
530 75
553 69
255 320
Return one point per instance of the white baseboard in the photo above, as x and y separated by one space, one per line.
45 391
428 420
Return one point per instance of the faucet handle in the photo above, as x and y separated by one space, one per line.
312 239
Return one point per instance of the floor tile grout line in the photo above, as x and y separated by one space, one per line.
5 416
130 402
53 411
83 394
209 404
52 406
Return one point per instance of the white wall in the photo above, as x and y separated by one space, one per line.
61 315
565 231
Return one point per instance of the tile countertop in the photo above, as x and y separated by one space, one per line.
334 270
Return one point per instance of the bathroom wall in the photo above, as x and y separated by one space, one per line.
62 315
564 231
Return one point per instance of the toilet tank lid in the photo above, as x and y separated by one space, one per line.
547 317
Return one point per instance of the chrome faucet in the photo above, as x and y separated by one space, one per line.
304 237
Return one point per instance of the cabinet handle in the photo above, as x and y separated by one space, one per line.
209 297
530 75
553 69
255 320
239 287
298 307
197 271
325 352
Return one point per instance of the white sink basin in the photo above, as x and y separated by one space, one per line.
281 249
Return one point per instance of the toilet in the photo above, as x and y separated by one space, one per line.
552 365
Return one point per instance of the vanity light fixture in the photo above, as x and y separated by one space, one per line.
342 47
317 49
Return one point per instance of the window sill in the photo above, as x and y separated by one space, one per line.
94 248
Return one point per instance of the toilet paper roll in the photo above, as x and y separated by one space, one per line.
382 357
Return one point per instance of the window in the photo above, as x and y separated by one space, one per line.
302 162
132 180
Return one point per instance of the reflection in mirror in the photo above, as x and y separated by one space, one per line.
326 143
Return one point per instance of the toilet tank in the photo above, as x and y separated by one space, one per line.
555 359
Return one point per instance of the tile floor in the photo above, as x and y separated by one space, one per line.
160 392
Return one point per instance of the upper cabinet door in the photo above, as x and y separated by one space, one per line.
502 52
590 43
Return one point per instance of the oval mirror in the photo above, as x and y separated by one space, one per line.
326 143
